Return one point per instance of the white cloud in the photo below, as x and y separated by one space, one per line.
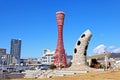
117 50
111 47
99 49
102 48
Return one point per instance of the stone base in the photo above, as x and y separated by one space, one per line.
80 68
64 73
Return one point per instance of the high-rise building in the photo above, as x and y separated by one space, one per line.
2 51
15 50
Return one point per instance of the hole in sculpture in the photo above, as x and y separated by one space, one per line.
75 50
86 47
78 43
85 53
83 36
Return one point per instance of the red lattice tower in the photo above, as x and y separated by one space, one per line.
60 56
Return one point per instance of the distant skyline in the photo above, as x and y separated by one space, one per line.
34 22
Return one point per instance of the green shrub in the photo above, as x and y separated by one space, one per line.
61 66
52 66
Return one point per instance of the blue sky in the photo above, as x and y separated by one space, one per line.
34 21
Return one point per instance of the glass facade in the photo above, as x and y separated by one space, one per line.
15 50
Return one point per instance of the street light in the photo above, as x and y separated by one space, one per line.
3 61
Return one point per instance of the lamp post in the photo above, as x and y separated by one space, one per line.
106 59
3 61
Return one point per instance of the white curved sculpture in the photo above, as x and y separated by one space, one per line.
80 51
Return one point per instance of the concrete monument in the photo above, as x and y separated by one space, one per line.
80 52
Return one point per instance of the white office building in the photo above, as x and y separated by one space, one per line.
48 57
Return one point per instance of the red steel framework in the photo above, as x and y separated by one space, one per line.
60 56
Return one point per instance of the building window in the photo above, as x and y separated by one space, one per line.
52 57
44 57
52 60
44 60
